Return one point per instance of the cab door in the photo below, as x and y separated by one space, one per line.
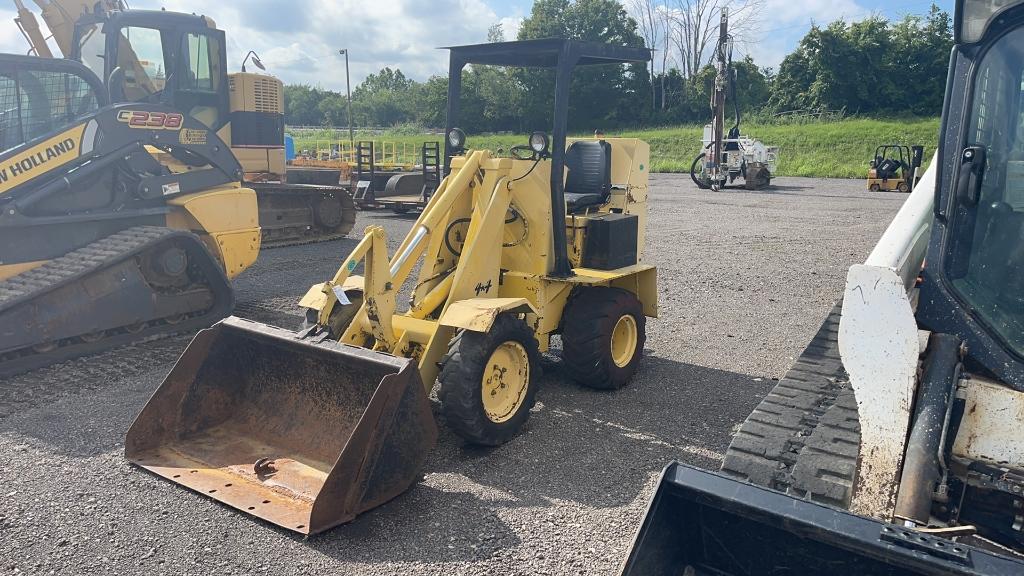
183 67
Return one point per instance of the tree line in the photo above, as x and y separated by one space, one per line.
871 67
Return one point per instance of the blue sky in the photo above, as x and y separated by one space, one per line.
299 39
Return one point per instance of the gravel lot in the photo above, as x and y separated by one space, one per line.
746 278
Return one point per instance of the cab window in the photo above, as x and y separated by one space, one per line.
986 264
141 56
201 60
34 103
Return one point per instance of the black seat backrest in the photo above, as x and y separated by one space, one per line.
590 167
888 168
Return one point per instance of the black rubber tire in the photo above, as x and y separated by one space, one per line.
587 326
804 437
693 173
875 187
461 374
903 188
341 316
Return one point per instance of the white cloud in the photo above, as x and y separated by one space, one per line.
300 43
784 22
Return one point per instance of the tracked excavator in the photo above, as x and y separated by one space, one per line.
306 429
139 56
895 445
117 222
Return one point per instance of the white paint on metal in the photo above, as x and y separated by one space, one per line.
880 346
990 429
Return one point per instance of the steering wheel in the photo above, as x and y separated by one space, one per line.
518 151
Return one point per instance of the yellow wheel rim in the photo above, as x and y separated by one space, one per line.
624 339
506 378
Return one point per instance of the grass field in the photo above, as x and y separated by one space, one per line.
839 149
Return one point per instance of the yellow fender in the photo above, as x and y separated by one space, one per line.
478 314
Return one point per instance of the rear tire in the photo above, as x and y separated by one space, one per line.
903 187
875 187
603 336
489 381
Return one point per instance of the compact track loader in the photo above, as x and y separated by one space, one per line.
180 60
895 445
307 429
116 221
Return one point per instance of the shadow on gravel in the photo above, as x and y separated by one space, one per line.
427 512
598 448
595 448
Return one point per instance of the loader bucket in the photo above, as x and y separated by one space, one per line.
704 523
303 435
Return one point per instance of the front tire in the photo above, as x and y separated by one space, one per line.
603 336
489 381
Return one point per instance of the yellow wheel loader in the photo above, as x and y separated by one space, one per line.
895 444
308 429
138 55
116 221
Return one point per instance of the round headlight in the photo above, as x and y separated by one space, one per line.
456 139
539 142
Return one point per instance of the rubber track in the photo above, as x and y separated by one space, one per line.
804 437
74 266
348 215
77 263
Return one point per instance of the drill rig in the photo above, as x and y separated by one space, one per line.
136 55
726 157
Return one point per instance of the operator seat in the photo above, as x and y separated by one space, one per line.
589 182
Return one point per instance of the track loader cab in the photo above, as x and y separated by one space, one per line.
907 408
508 252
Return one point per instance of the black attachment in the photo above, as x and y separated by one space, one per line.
704 523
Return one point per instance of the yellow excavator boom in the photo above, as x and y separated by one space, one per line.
60 17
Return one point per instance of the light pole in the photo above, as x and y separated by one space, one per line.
348 94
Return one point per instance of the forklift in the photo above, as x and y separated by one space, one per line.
895 168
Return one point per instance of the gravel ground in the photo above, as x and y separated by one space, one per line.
746 278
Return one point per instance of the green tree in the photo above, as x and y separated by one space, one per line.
600 96
383 99
871 66
301 105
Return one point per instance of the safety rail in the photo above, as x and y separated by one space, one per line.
386 153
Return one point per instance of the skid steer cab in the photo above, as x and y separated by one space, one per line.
307 429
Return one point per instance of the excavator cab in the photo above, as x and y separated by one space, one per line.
158 57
